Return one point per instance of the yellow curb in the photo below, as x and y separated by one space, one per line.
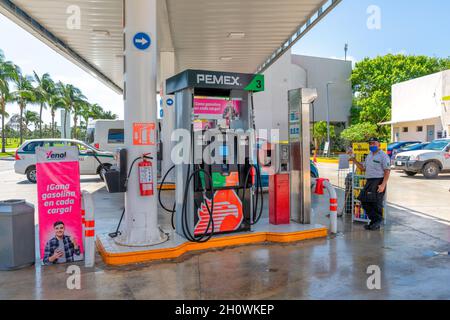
322 160
125 258
166 187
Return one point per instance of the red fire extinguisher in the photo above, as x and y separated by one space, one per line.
146 178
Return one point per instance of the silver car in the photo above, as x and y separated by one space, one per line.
431 161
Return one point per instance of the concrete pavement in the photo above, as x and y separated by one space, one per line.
330 268
427 198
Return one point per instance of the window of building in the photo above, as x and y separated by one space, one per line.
419 129
405 129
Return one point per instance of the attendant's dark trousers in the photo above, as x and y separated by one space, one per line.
374 206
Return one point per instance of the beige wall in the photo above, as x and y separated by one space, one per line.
293 72
413 134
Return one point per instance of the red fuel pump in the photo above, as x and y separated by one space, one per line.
146 178
279 186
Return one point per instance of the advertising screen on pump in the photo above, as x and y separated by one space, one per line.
59 203
216 108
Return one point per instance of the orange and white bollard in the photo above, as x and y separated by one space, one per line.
89 230
318 185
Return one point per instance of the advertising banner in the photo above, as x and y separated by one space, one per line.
59 204
215 109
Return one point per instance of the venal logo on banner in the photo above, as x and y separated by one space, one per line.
59 203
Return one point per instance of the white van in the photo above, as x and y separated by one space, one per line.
106 134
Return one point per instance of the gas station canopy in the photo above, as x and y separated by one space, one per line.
233 35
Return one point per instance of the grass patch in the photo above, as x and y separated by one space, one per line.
11 143
6 154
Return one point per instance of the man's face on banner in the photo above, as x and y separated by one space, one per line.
59 230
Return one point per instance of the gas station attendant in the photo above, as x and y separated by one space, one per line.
377 172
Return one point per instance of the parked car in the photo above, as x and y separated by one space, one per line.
26 157
413 147
431 161
394 147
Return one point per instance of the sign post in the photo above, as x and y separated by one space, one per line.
59 204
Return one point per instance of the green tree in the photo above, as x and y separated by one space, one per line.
85 113
78 105
372 81
44 90
361 132
108 115
55 102
69 96
23 95
97 113
7 74
320 133
31 117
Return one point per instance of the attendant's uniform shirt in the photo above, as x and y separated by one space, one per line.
376 164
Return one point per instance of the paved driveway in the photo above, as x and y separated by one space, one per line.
16 186
423 197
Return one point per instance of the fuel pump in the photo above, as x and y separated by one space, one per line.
279 185
219 189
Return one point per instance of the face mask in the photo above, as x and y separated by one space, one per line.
374 149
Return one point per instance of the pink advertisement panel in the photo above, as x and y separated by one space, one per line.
216 108
59 204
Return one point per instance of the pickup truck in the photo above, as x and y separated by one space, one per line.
431 161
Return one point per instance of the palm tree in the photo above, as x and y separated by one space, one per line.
96 111
86 113
108 115
54 103
69 96
43 92
6 74
77 111
23 95
31 117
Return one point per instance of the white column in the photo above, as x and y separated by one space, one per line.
167 70
141 216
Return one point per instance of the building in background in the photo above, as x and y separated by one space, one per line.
297 71
421 108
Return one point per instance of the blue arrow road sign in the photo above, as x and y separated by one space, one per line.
161 113
169 102
142 41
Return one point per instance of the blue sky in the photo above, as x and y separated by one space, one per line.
406 26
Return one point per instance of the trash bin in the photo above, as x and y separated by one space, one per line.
17 231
